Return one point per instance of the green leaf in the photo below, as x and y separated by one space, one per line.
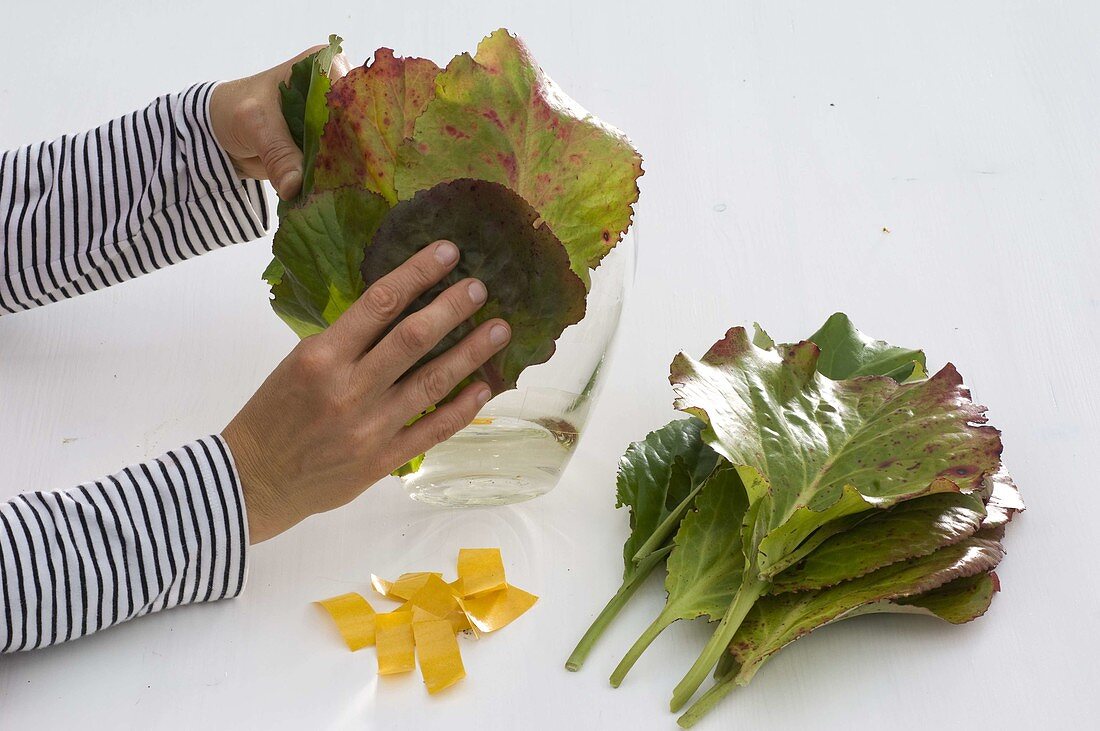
1004 500
953 583
504 244
372 110
496 116
706 563
645 483
911 529
318 250
957 602
811 451
658 479
847 353
779 619
409 467
304 108
815 450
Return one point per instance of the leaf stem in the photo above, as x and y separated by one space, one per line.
664 619
721 688
667 526
614 606
718 642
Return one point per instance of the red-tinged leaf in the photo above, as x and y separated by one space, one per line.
371 112
496 116
504 244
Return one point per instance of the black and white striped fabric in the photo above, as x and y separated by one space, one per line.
84 212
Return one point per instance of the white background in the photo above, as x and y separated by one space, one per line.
780 139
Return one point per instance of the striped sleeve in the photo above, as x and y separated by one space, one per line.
155 535
141 192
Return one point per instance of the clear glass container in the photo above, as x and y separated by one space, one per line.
521 441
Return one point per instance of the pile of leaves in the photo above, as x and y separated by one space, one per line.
488 153
813 482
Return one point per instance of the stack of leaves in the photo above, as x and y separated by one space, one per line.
425 626
488 153
814 482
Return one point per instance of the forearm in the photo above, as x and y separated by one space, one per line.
156 535
143 191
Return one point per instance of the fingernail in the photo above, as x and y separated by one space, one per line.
286 183
499 335
477 291
446 253
482 396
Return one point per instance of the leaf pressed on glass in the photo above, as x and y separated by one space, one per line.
372 110
304 107
496 116
313 284
504 244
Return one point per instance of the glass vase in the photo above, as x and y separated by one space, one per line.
521 441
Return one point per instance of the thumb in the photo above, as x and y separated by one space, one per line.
280 157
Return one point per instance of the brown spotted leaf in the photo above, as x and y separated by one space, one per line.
910 529
496 116
779 619
813 450
371 111
505 244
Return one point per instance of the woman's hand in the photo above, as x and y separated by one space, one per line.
331 419
248 123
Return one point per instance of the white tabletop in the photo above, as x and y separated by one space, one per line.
781 144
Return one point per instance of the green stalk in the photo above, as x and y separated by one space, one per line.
727 663
667 526
718 642
811 543
611 610
722 686
664 619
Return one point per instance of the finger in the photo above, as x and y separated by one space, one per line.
364 322
412 338
441 424
340 67
433 381
250 167
265 132
282 71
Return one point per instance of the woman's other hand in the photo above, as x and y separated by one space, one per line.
248 123
331 418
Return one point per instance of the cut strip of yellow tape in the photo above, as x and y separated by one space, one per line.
480 570
354 618
405 585
393 633
497 609
435 596
437 651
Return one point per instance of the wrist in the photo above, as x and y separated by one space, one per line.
260 494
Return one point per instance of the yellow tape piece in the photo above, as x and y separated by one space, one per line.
393 638
460 622
354 617
405 585
492 611
480 570
437 651
435 597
